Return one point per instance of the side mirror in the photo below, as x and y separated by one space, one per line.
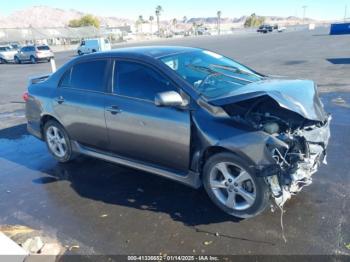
169 98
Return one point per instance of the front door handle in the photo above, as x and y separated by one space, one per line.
60 99
114 110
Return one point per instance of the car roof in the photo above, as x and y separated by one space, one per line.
150 51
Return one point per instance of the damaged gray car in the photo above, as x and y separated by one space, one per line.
187 114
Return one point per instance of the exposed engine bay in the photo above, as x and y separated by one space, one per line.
298 146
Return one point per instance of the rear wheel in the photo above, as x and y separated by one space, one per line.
58 142
232 186
2 61
93 50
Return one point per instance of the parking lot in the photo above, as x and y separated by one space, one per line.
108 209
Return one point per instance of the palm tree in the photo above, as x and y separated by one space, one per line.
174 22
159 9
219 20
139 23
195 27
151 19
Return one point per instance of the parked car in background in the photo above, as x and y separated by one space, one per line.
281 29
34 54
7 54
187 114
265 29
93 45
15 46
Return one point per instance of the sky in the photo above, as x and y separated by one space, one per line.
317 9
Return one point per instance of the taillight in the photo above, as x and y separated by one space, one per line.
25 96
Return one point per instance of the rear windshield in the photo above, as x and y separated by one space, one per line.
43 47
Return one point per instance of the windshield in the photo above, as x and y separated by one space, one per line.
5 48
211 74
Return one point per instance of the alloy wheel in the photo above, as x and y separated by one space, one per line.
232 185
56 141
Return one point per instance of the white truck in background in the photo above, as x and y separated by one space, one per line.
93 45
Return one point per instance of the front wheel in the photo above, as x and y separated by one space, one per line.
58 142
32 60
17 60
231 184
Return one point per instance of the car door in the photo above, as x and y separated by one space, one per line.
22 53
140 130
79 102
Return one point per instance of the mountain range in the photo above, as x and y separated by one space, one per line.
45 16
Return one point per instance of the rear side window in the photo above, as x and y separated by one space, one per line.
31 48
86 75
43 48
139 81
65 80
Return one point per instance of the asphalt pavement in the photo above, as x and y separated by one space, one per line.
108 209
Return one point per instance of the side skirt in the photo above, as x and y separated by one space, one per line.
191 179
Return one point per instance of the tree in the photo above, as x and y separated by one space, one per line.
151 19
174 23
195 27
184 19
158 12
254 21
86 20
219 20
139 23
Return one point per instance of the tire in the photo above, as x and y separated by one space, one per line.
58 142
2 61
17 60
32 60
227 191
93 50
80 53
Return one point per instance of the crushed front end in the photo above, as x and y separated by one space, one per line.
298 131
298 158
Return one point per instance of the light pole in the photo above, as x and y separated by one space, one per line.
304 11
345 13
219 21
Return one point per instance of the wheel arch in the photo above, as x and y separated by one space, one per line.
213 150
44 119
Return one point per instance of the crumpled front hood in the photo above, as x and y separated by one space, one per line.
299 96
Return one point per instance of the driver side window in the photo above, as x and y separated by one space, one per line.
136 80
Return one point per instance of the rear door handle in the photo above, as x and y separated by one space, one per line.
113 109
60 99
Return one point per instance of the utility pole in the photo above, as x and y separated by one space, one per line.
304 11
219 21
345 13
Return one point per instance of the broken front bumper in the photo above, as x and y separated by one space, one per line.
289 182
